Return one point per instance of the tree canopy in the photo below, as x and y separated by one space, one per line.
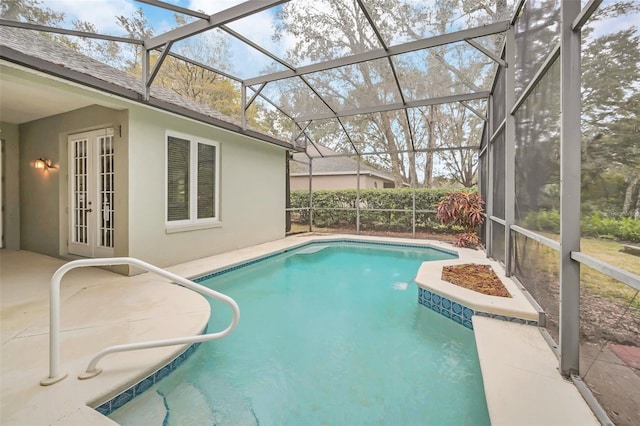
423 145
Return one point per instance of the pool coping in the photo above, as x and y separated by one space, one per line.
522 384
519 369
112 404
138 388
316 241
61 403
489 314
98 309
493 381
449 299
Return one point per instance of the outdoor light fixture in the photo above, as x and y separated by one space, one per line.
43 164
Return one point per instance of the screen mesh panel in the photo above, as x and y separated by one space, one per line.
537 171
537 267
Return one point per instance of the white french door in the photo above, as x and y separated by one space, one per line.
91 193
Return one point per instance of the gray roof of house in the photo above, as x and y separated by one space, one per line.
331 165
29 48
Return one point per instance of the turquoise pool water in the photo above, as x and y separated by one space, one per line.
328 335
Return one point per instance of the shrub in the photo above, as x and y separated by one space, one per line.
543 220
592 225
463 209
624 228
396 198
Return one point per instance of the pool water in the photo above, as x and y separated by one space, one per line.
328 335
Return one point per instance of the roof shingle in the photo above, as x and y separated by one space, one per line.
31 43
328 165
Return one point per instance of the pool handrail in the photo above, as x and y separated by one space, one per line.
92 371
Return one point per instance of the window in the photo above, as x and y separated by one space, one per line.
192 181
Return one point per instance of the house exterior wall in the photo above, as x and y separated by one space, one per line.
11 190
252 192
252 183
336 182
44 194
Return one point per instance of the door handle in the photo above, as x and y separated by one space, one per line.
88 210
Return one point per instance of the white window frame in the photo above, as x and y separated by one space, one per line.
193 223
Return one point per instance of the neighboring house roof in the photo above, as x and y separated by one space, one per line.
331 165
30 49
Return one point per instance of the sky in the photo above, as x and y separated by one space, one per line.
257 27
102 13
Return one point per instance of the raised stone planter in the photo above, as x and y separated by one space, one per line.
460 304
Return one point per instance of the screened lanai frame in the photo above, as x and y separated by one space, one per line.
252 89
496 148
497 174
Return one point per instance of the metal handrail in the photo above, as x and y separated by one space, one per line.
92 371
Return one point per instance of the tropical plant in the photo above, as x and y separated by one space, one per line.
463 209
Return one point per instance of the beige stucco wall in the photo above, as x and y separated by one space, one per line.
44 194
252 182
252 192
336 182
11 189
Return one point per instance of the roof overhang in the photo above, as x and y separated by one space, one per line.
20 59
25 98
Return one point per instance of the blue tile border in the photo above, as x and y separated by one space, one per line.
385 243
458 312
335 242
121 399
235 267
137 389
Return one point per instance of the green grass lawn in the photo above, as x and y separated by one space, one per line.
610 252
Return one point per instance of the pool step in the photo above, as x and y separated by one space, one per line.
187 405
311 249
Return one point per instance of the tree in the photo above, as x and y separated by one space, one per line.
105 51
611 113
136 27
183 78
30 11
198 83
461 128
33 11
332 28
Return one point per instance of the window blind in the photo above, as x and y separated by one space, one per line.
206 181
178 154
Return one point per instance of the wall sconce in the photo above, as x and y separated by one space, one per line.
42 164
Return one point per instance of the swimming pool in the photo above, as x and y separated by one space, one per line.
329 334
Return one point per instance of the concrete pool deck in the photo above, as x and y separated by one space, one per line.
100 308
